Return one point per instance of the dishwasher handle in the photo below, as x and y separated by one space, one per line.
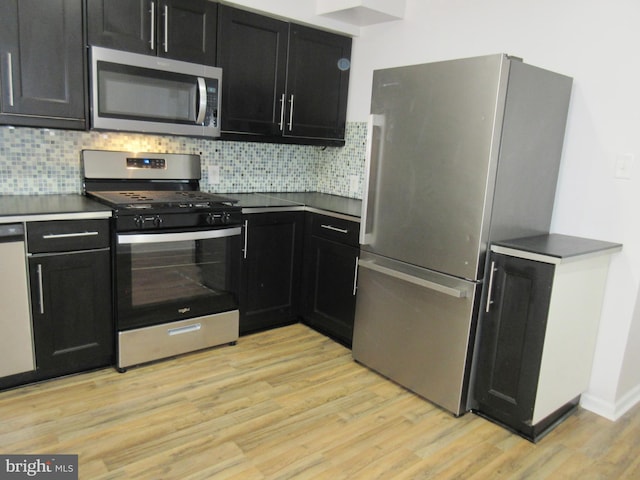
12 232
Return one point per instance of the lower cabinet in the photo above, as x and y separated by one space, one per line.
537 331
71 309
512 334
330 275
271 270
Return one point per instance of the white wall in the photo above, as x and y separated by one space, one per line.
596 42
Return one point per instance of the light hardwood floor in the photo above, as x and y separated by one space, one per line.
289 403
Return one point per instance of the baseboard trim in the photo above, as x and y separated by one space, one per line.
611 410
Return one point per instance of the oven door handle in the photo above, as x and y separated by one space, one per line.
124 239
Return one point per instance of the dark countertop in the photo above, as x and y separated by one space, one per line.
311 201
558 246
20 208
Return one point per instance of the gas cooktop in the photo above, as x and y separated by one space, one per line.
158 199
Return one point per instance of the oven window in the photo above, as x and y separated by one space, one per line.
176 270
158 282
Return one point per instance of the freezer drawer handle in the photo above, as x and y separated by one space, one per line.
454 292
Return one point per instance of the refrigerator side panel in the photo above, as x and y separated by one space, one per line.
415 328
535 118
433 152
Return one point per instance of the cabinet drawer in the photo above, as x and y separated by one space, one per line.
169 339
67 235
336 229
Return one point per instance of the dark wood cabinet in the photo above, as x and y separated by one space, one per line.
271 270
70 277
317 84
179 29
42 64
282 82
330 275
252 52
512 338
70 296
536 338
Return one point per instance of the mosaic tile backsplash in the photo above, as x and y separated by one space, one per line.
44 161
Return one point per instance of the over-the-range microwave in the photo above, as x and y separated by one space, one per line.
142 93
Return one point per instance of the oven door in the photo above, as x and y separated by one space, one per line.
169 276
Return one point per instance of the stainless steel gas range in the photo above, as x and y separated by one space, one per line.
176 254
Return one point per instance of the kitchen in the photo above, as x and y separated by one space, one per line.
577 212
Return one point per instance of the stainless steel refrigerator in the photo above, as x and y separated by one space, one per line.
459 153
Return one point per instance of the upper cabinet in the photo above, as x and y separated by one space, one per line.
178 29
42 63
282 82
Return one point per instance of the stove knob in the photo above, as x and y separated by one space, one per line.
139 221
226 217
213 218
157 221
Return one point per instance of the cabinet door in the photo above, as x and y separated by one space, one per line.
42 63
317 83
511 337
329 287
252 52
179 29
71 308
271 270
187 30
122 24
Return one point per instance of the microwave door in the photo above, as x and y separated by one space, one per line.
149 100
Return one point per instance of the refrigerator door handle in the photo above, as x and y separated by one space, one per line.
375 122
454 292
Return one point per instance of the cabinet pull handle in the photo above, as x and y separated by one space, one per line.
281 124
246 234
355 278
152 11
335 229
40 289
166 28
291 114
53 236
10 79
490 292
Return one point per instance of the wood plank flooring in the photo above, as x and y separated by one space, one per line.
289 403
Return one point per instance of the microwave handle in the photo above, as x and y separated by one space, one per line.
202 100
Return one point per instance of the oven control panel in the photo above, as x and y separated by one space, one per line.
151 221
146 162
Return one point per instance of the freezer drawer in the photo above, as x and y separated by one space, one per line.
413 326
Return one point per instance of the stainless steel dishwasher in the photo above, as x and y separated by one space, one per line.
16 335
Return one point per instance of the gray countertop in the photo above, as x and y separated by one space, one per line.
311 201
556 247
21 208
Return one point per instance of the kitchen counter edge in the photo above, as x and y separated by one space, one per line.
32 208
322 203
